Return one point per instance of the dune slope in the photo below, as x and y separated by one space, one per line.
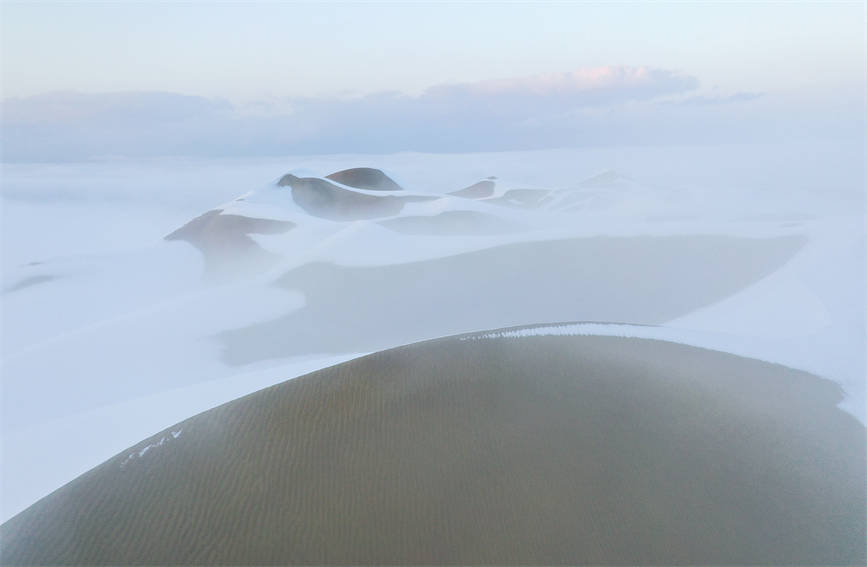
540 450
635 279
365 178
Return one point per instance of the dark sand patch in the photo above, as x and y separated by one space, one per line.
479 190
451 222
287 180
543 450
224 241
365 178
326 200
639 280
525 198
30 282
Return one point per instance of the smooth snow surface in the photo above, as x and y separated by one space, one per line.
110 333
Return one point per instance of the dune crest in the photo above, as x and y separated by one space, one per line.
224 241
365 178
539 450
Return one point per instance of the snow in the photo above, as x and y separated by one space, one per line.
141 453
109 333
809 314
43 456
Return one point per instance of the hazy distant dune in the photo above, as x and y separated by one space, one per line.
326 200
541 450
224 242
287 180
478 190
365 178
627 279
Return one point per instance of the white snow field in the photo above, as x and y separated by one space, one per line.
110 332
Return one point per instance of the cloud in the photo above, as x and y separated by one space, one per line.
585 107
71 126
480 114
698 100
582 87
107 108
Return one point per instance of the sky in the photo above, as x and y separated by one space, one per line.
83 80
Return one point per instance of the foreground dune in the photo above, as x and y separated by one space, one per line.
473 450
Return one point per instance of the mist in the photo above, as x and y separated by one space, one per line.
613 106
167 250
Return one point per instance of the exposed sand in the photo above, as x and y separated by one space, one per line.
326 200
224 242
287 180
365 178
637 280
543 450
451 222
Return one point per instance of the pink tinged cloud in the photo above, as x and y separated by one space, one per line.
587 106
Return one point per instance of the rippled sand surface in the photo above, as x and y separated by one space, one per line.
539 450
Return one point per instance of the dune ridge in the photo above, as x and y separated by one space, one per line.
365 178
368 308
540 450
224 241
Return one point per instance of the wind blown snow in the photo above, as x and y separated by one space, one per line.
107 327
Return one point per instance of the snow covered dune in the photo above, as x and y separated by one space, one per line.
137 294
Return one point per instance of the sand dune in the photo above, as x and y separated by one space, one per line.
478 190
542 450
365 178
224 242
639 280
326 200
